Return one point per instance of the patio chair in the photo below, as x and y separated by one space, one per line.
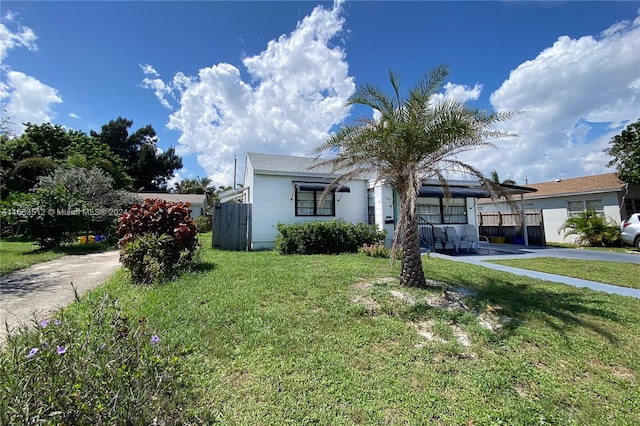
457 240
471 236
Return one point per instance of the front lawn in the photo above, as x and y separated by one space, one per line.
18 253
615 273
265 339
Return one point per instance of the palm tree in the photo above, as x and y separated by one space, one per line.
193 186
411 139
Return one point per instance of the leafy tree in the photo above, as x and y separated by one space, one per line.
89 152
495 178
414 138
47 214
69 201
592 229
148 169
27 172
625 150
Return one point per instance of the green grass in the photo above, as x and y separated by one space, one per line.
270 339
625 249
16 253
616 273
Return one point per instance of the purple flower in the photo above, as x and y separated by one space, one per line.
32 352
61 350
45 344
57 322
155 339
44 323
102 346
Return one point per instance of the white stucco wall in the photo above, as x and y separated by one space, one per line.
273 199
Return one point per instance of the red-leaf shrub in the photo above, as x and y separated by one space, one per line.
169 235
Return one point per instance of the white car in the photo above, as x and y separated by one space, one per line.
630 230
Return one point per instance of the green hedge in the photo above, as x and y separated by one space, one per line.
328 237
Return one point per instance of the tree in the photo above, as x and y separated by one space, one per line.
495 178
592 229
415 138
149 169
193 186
69 201
625 150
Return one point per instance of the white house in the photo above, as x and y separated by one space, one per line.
562 198
287 189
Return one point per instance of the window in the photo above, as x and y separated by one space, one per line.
632 205
371 207
574 208
308 203
443 210
595 205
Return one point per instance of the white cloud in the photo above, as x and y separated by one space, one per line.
72 115
297 91
24 97
567 89
459 92
29 100
23 37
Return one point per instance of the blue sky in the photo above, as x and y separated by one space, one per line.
219 79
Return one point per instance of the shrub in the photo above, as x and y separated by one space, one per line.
330 237
592 229
158 239
109 369
203 223
375 250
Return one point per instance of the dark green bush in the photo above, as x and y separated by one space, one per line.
109 369
329 237
593 229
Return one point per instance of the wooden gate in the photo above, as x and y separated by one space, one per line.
232 226
509 225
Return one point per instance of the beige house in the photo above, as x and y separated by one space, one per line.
562 198
198 201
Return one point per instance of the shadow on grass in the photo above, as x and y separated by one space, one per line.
560 310
204 267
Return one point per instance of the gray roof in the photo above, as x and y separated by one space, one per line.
174 198
288 165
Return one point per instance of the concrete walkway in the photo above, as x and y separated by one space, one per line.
506 252
46 287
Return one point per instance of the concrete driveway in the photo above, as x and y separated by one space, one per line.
44 288
508 251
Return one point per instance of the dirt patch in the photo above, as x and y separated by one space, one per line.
370 304
367 284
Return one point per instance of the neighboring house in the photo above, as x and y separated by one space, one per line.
286 189
560 199
198 201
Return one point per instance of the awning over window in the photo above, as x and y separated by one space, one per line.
317 186
456 192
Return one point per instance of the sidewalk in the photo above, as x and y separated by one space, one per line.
481 259
44 288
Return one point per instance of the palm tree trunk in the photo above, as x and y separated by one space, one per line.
411 274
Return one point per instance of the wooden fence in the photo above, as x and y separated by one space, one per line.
509 225
232 226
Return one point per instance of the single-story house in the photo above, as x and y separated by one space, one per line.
563 198
198 201
288 189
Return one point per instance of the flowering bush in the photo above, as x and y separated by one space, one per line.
375 250
158 239
111 370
